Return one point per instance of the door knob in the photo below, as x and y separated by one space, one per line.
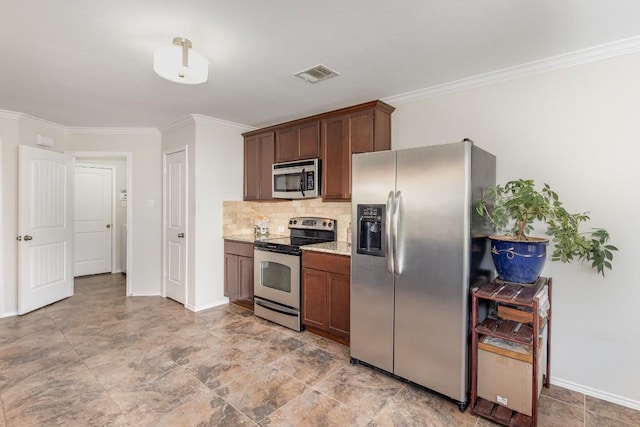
108 225
181 235
27 237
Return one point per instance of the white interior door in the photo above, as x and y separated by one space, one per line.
45 228
175 253
93 220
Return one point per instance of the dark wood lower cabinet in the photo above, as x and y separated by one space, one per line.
325 294
238 273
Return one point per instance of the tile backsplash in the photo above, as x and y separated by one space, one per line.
238 217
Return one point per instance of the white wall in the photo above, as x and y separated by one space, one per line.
9 290
576 129
16 129
214 161
145 200
219 160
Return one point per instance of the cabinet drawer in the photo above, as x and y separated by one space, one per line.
339 264
238 248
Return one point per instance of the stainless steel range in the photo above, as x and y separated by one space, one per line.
277 269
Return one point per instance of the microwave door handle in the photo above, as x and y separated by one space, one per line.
302 181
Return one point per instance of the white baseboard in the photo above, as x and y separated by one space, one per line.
9 314
216 303
144 294
603 395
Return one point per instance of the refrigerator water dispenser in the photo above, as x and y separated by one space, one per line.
371 228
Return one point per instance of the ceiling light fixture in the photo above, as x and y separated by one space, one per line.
179 63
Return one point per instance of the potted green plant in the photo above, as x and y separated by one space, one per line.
513 208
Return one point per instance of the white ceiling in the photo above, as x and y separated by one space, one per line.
82 63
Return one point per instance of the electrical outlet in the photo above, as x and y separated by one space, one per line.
280 229
502 400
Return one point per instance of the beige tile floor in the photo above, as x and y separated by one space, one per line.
100 358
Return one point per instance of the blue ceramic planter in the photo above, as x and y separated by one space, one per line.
519 262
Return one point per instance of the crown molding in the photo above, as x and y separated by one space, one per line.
596 53
111 131
5 114
178 124
201 119
32 120
68 130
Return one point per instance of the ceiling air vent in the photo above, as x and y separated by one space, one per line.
317 74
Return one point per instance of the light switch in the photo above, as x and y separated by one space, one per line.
150 203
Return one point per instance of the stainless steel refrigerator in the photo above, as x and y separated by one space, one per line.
417 245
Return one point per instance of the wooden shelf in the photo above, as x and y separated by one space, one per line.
519 316
507 329
502 415
512 293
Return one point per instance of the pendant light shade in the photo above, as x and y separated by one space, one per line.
179 63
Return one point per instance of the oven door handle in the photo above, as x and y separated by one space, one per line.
278 250
267 248
273 307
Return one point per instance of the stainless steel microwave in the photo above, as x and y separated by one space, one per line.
296 180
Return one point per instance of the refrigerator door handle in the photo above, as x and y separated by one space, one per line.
388 245
395 246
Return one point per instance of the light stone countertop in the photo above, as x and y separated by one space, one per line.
250 238
337 248
243 238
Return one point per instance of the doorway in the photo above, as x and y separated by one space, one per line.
94 243
175 226
120 163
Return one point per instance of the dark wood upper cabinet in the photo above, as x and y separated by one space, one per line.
335 158
259 150
333 136
287 144
298 142
309 140
356 131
